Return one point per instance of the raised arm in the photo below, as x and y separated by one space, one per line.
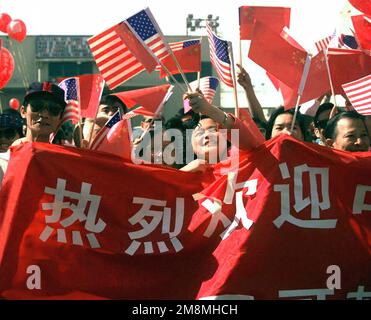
250 136
244 80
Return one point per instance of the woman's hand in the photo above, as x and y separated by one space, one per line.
197 102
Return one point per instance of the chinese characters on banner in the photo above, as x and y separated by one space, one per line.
98 227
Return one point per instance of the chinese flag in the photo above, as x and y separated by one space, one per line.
136 48
346 66
316 85
91 88
362 5
118 140
189 59
275 17
362 28
149 98
277 55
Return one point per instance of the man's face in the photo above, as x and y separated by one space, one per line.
42 116
351 135
282 125
7 137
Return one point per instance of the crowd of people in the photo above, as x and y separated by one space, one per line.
44 104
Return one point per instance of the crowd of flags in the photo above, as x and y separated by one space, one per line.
137 44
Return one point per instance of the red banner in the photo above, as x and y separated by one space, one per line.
91 226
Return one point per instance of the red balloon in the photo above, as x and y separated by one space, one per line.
362 5
6 67
4 21
14 103
17 30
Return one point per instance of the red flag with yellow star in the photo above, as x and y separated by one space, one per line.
275 17
277 55
317 83
188 55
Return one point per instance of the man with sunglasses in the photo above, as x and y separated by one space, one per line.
43 109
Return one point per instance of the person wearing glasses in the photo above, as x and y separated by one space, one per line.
43 109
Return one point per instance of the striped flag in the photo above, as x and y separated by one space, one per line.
103 132
208 86
115 61
336 40
219 57
180 45
359 94
145 27
71 95
324 43
72 110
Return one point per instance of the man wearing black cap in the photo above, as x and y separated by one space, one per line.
42 108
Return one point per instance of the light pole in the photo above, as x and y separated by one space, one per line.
192 24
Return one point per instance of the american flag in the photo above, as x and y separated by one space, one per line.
176 46
146 28
208 86
324 43
180 45
114 60
104 131
336 40
219 57
71 95
359 94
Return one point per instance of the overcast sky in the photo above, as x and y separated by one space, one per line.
310 19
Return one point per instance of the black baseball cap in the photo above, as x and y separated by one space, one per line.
45 90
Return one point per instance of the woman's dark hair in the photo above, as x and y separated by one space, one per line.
322 108
110 100
12 118
299 120
259 123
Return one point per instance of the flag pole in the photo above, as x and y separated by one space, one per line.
178 66
329 76
153 55
240 49
168 49
96 114
295 113
303 80
198 79
199 72
230 51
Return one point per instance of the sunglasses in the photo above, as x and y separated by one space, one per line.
53 108
8 133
